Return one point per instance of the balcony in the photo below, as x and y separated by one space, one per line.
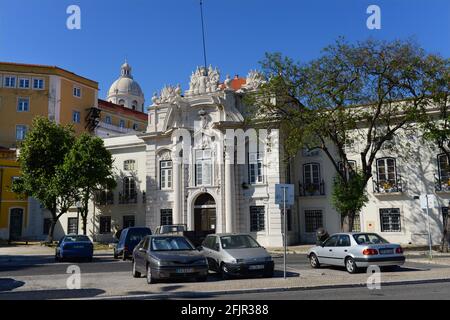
128 198
391 187
312 189
441 185
113 128
104 198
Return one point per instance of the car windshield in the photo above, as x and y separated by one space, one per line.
137 235
76 238
369 238
171 244
172 229
238 242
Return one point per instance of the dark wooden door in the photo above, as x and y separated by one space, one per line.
15 224
205 219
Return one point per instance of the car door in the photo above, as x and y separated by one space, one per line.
342 249
326 253
139 254
210 252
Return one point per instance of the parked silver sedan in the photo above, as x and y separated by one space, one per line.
355 251
237 255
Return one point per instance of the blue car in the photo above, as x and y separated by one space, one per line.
130 238
74 247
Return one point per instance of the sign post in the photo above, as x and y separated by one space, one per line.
425 201
284 194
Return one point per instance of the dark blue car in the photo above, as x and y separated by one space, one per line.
74 247
129 239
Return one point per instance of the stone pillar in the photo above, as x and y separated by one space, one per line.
176 178
229 195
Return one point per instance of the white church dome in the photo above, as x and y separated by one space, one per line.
126 91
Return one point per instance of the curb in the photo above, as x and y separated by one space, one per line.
260 290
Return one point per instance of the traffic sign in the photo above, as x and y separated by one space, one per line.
285 192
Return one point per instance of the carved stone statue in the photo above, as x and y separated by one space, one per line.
254 80
204 80
169 94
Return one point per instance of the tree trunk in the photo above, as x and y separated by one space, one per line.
445 236
347 221
52 227
84 218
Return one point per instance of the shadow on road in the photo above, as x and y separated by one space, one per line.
51 294
7 284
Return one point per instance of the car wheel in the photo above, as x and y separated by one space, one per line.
115 254
150 279
124 258
223 272
350 265
134 272
56 258
314 261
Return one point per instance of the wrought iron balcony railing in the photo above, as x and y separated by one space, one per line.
388 186
128 198
104 198
441 185
312 189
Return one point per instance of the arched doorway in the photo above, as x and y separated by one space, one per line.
205 213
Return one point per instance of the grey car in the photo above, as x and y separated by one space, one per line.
168 257
356 250
237 255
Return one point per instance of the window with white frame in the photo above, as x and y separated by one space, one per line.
390 220
313 220
108 120
129 188
122 123
135 127
257 218
444 169
9 81
203 167
76 117
72 226
21 132
165 174
255 168
311 178
24 83
38 83
386 172
351 166
77 92
23 104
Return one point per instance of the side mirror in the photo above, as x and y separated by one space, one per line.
200 248
217 247
142 250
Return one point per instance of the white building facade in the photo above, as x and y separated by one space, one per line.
183 170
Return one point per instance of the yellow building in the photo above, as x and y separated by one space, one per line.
27 91
13 210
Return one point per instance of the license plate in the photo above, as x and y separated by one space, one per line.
386 251
257 267
185 270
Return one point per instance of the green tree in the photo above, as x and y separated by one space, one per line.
41 159
362 94
89 165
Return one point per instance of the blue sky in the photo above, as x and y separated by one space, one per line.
162 38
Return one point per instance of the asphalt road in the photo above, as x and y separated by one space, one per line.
426 291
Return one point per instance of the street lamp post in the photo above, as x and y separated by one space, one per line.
79 206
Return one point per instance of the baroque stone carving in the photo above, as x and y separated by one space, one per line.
169 94
254 80
204 80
